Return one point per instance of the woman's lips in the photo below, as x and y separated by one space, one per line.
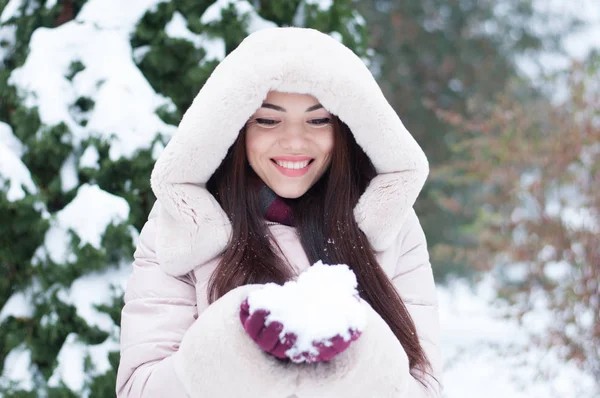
292 172
292 158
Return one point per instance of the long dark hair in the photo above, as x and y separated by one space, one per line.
328 231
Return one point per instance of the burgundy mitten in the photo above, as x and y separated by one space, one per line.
267 338
329 348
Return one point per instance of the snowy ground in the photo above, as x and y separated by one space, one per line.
484 353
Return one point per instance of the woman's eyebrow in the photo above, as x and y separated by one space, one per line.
314 108
280 109
271 106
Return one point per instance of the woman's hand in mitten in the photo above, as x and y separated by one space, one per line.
327 349
311 320
266 336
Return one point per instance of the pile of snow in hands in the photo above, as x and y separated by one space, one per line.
322 303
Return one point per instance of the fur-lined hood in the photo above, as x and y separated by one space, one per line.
192 226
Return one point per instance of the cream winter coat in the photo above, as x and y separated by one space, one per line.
173 344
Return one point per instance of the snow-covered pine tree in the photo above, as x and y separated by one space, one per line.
91 92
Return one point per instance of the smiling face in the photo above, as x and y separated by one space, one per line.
289 141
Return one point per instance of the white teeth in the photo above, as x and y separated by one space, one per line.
292 165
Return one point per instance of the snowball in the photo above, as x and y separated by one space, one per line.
321 304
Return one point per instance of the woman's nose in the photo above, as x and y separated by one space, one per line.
293 138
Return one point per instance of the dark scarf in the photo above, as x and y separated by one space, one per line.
274 207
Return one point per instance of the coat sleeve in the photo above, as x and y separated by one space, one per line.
169 350
158 310
413 278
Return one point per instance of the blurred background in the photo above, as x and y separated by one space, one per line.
503 95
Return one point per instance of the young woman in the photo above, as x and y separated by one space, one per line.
289 154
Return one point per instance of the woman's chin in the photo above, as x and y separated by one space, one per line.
291 191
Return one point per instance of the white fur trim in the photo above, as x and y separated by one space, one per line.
192 226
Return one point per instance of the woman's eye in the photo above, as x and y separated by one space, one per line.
319 122
266 122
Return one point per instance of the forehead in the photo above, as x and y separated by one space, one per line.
281 98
